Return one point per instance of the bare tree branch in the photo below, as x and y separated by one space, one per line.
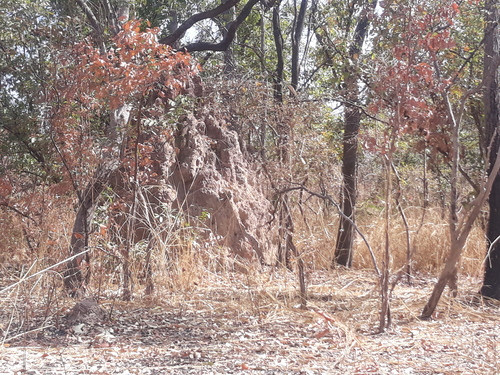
90 16
206 46
186 25
337 206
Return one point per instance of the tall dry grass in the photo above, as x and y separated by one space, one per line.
180 256
429 237
430 242
186 261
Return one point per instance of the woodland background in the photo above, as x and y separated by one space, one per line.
327 163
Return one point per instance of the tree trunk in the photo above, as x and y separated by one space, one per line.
491 281
345 237
286 247
352 120
77 271
74 278
298 26
278 41
491 99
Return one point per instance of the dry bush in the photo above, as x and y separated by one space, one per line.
175 258
13 245
33 246
316 233
191 271
40 236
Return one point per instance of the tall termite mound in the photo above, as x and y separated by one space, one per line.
215 181
202 169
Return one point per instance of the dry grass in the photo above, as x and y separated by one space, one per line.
191 272
250 316
429 238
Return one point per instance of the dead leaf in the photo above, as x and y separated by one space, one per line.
322 333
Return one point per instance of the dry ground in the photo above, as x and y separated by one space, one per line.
238 324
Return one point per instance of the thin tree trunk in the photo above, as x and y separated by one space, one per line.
298 26
74 276
397 198
458 241
288 248
278 41
262 25
132 218
345 236
385 308
285 224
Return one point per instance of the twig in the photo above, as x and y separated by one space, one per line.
42 271
25 333
337 206
489 250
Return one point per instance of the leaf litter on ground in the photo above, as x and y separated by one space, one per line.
237 324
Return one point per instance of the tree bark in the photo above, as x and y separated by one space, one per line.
296 36
278 41
491 100
77 272
345 236
352 120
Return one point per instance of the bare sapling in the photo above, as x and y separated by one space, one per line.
288 247
385 309
409 250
